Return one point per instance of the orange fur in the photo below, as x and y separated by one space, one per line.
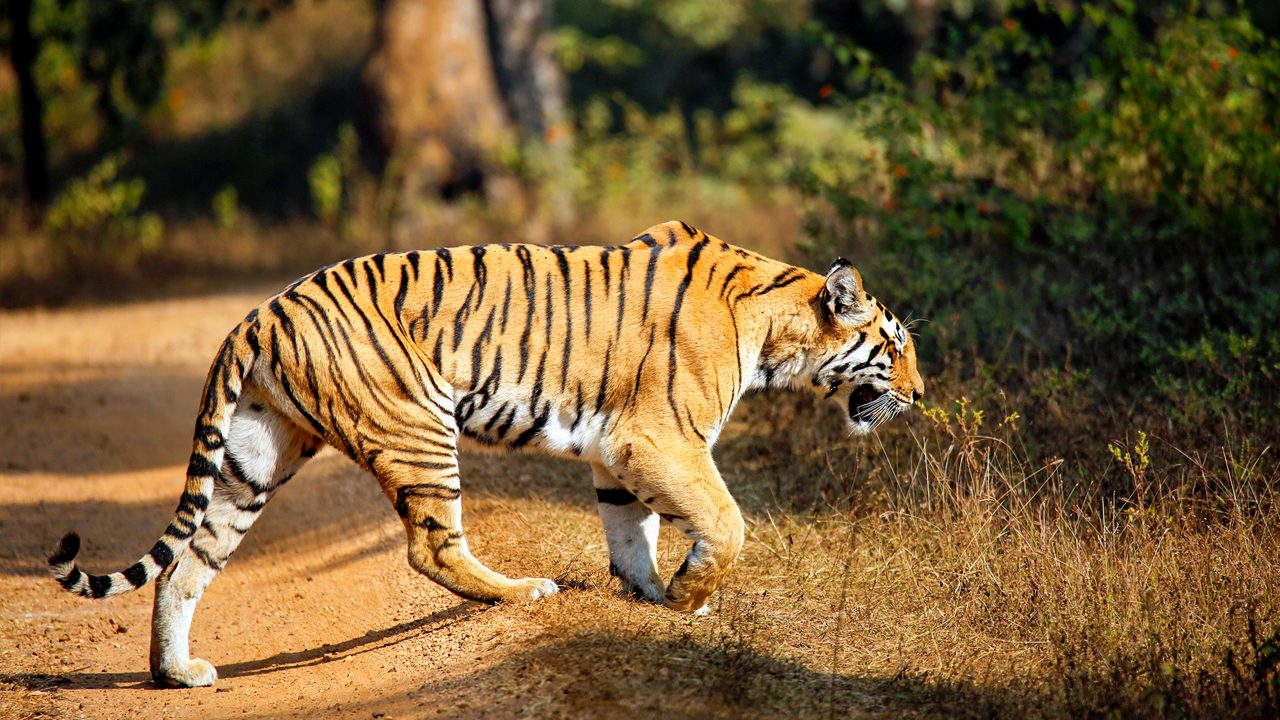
631 358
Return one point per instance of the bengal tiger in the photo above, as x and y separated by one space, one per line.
630 358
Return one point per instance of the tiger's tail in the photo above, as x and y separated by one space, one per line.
221 392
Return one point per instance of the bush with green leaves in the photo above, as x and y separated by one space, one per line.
1115 213
97 217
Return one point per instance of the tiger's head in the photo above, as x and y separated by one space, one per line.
866 358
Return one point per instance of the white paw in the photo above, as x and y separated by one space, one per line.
535 588
193 673
704 611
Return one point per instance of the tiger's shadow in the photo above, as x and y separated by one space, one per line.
371 641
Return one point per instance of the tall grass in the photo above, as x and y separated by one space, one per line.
1013 586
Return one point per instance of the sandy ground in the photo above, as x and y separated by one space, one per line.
318 614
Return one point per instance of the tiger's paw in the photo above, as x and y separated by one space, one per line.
532 589
194 673
647 591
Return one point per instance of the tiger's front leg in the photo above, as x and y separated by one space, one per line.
685 488
631 530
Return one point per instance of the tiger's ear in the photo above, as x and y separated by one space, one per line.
843 292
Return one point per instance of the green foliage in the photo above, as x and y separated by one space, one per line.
119 50
1117 215
96 217
226 209
332 172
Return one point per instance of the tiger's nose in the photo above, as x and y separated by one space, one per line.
916 395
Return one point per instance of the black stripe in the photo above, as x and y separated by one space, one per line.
550 317
251 337
506 424
162 553
622 288
506 308
238 472
403 292
694 254
277 368
430 524
563 265
577 411
648 282
199 466
199 502
604 376
99 585
173 531
376 344
724 287
480 270
783 279
205 557
538 423
437 286
530 298
209 436
586 295
693 426
477 348
444 254
604 263
494 420
412 257
208 527
136 574
252 506
614 496
635 386
71 579
436 491
425 464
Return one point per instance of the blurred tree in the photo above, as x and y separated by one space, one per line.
26 47
455 85
119 48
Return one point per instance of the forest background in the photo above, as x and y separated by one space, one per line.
1080 201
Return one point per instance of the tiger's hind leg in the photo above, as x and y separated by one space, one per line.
631 530
263 451
423 486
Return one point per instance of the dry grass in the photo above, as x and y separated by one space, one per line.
940 555
931 571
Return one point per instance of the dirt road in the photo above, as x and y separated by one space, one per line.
318 614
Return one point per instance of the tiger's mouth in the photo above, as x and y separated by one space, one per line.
860 401
868 408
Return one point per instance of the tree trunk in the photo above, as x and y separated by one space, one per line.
454 83
35 162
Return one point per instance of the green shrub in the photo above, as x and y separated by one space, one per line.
1116 216
96 217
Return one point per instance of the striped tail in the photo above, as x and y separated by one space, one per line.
221 391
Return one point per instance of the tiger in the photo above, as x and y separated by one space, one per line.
630 358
